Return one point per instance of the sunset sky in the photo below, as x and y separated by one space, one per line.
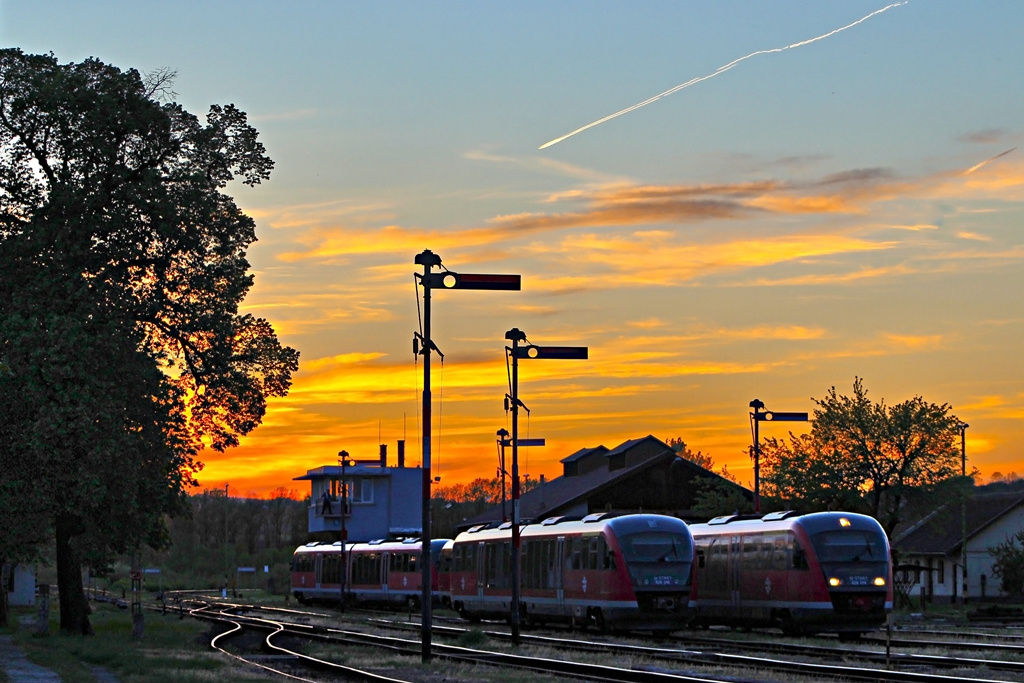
846 207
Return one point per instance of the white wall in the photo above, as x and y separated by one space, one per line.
980 561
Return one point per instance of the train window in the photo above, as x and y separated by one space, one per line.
403 562
457 563
539 564
490 564
366 569
656 546
850 545
756 552
526 563
497 565
574 555
780 553
799 556
550 560
330 569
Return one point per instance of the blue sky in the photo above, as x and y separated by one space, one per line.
803 218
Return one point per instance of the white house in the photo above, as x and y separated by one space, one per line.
373 501
930 548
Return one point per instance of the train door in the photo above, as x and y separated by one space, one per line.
481 568
385 562
318 569
560 574
735 558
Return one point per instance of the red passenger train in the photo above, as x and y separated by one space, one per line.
805 573
379 572
628 572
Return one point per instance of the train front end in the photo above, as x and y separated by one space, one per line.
852 552
657 556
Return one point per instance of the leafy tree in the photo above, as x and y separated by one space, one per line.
122 265
713 496
679 446
1009 563
864 456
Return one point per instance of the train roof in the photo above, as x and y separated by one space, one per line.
813 522
594 523
383 544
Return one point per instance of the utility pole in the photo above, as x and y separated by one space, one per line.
756 418
423 344
963 513
344 461
517 336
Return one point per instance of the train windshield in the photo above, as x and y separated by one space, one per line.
656 546
850 545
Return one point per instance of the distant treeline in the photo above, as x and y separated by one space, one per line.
221 535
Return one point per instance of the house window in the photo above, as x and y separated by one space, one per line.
360 489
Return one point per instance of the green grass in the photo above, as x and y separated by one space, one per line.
172 650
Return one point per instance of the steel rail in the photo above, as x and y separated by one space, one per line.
276 628
749 661
600 672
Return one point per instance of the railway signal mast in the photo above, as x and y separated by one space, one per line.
756 418
516 352
423 345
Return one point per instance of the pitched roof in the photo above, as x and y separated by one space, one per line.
562 493
582 453
940 531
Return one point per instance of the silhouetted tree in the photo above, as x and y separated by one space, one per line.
122 265
679 446
864 456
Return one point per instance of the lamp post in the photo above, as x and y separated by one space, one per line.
516 336
344 461
423 345
767 416
962 427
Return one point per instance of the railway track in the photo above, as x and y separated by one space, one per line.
286 633
747 662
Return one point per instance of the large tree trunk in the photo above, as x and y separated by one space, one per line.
74 610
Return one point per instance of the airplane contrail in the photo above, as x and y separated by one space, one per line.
974 168
716 72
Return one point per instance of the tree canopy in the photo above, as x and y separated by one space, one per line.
713 496
122 267
863 456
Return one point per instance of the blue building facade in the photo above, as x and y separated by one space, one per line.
380 502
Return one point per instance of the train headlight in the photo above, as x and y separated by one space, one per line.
843 521
879 581
834 582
